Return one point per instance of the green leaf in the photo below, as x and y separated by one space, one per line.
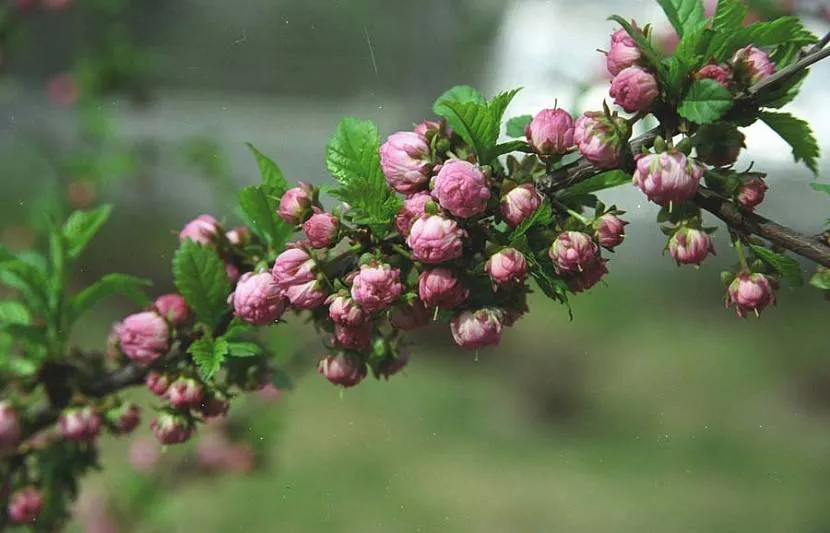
786 266
244 349
729 16
821 187
821 279
461 94
684 15
258 213
605 180
797 134
705 102
106 287
27 279
200 277
510 146
14 312
782 30
782 94
273 180
541 217
498 105
209 355
516 125
352 158
26 333
81 226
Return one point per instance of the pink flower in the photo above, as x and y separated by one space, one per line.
203 230
430 128
125 418
624 52
634 89
144 337
80 424
309 295
295 204
519 203
214 406
405 160
721 73
344 311
573 251
413 207
507 267
667 177
293 267
342 370
63 90
376 287
435 239
476 329
25 505
750 293
752 65
185 393
171 429
409 317
239 236
56 4
610 231
354 338
9 426
461 188
258 299
143 455
157 383
321 230
689 246
590 276
172 307
440 287
551 132
392 364
232 272
598 139
752 191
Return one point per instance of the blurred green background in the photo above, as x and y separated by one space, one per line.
655 409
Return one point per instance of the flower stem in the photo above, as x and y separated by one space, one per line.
739 248
398 248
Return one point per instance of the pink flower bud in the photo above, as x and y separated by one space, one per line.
354 338
752 65
461 188
507 267
573 251
173 308
293 267
9 426
752 191
413 207
409 317
63 90
203 230
25 505
689 246
519 203
309 295
376 287
157 383
258 299
321 230
476 329
590 276
125 418
551 132
721 73
239 236
750 293
344 311
80 424
667 177
143 455
435 239
144 337
171 429
598 139
430 128
610 231
295 204
391 365
440 287
186 393
405 160
634 89
214 406
232 272
342 370
624 52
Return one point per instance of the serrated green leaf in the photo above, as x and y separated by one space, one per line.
274 183
258 214
782 94
705 102
244 349
786 54
783 30
786 266
684 15
821 279
552 286
821 187
461 94
209 355
81 226
106 287
510 146
200 277
498 105
540 217
29 280
352 158
516 125
729 15
602 181
14 312
798 134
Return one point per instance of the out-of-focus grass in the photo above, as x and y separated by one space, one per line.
644 414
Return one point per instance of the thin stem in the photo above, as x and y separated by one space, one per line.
739 249
400 249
